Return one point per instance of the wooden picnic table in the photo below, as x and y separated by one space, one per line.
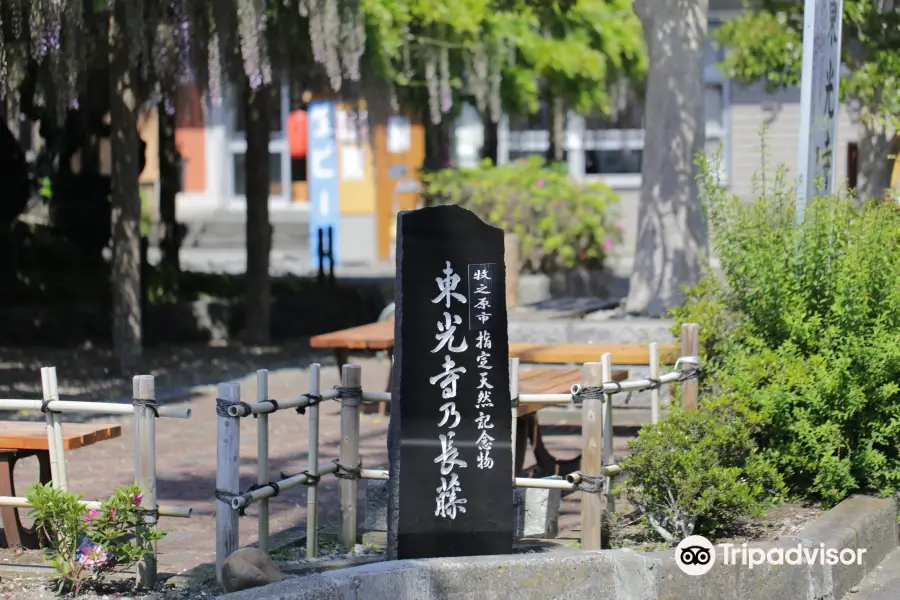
380 336
19 440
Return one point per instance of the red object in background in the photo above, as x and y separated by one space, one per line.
297 133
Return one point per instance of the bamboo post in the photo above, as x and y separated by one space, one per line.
56 419
690 346
144 401
514 397
606 375
312 490
51 436
262 460
228 445
654 374
351 378
591 458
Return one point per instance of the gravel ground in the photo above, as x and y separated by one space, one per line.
14 587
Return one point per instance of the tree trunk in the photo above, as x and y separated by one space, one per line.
490 147
259 230
672 231
168 188
437 144
126 200
557 150
875 162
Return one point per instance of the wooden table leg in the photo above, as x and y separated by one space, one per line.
520 425
8 513
547 464
382 408
341 357
45 475
16 534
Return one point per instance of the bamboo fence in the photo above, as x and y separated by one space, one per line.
594 395
145 411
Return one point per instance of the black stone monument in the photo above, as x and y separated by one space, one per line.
451 489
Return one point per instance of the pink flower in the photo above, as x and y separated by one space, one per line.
96 557
112 513
90 555
540 183
136 500
607 245
91 515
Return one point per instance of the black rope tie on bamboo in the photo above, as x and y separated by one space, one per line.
45 407
310 478
514 402
591 484
313 400
150 516
226 498
691 373
275 407
347 472
258 486
588 393
349 392
149 403
655 384
222 406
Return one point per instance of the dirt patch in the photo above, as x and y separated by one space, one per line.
629 531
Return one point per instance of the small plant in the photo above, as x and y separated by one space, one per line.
698 472
86 545
561 223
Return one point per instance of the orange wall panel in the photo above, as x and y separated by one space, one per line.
190 138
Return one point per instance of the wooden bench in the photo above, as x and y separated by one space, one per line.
23 439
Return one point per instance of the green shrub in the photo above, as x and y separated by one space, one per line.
803 325
561 223
698 472
84 546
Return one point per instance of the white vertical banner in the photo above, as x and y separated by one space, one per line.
822 21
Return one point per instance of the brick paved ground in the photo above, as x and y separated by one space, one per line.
186 461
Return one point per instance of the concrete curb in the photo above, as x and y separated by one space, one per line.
859 522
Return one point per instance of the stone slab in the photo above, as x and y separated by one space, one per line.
376 505
537 513
859 522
